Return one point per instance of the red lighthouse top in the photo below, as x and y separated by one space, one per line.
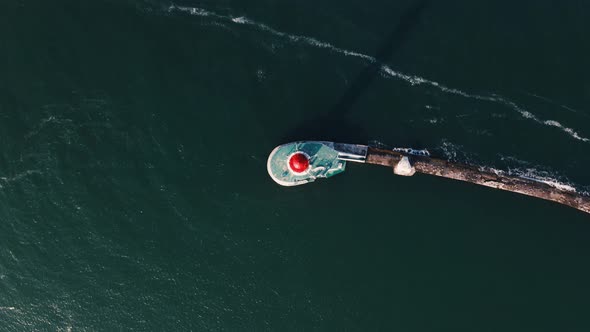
298 162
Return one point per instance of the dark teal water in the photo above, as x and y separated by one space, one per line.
133 184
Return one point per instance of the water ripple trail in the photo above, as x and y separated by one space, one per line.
385 69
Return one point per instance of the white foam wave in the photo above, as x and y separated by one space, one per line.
552 182
191 10
531 175
45 122
416 80
261 26
535 174
388 71
241 20
559 185
451 151
19 176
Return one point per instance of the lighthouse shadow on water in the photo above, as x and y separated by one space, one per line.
335 124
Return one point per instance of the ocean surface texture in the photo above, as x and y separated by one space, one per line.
133 187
